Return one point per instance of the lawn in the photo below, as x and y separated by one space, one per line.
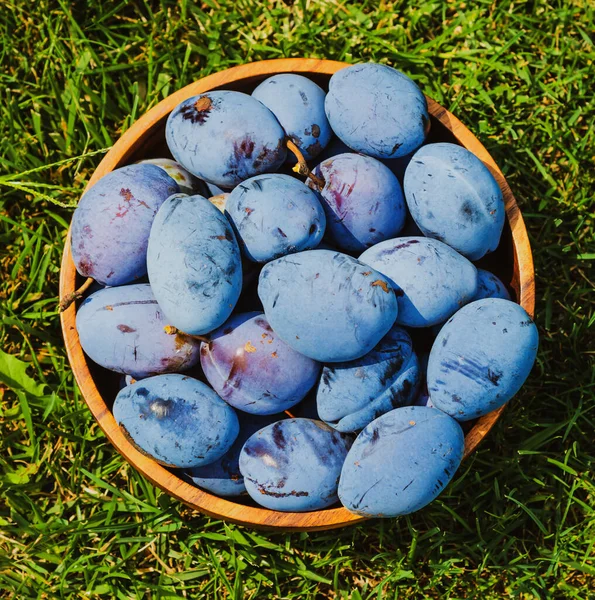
77 522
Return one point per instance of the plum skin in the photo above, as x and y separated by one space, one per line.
252 369
194 264
481 358
298 104
327 305
377 110
111 224
431 280
177 420
453 197
351 394
274 215
124 330
294 465
362 199
400 462
225 137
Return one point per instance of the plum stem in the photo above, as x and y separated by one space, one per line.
302 167
68 300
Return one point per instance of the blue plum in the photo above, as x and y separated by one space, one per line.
362 200
253 370
327 305
431 280
377 110
274 215
177 420
187 183
352 394
481 358
111 224
194 264
401 462
453 197
298 104
225 137
489 286
223 476
294 465
124 330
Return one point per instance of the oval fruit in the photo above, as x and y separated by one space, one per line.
362 200
377 110
253 370
294 465
326 305
481 358
298 104
177 420
352 394
400 462
194 264
223 477
431 280
225 137
124 330
274 215
111 224
453 197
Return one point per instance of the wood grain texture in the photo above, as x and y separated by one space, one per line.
146 133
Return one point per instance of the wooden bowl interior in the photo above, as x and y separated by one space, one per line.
504 262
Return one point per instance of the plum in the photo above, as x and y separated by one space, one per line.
400 462
187 183
362 200
453 197
223 477
481 358
194 264
352 394
252 369
274 215
111 224
298 104
176 420
225 137
423 396
294 465
124 330
489 286
327 305
377 110
430 279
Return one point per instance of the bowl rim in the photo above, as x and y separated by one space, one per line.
122 150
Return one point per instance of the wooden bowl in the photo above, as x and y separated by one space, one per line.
512 262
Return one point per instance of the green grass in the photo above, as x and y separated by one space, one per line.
77 522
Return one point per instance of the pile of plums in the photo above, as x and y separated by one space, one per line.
296 249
